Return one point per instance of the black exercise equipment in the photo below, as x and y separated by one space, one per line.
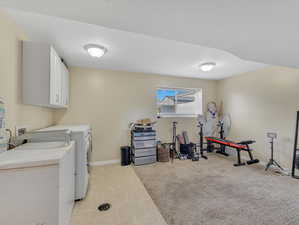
210 146
296 150
271 162
195 154
186 149
221 133
241 146
201 149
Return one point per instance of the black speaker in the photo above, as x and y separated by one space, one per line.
125 155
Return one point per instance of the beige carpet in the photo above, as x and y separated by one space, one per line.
213 192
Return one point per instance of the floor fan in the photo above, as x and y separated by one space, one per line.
225 125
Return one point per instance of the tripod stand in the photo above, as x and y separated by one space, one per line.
272 161
173 144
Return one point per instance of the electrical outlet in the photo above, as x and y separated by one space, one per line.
20 130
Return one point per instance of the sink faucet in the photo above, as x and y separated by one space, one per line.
10 144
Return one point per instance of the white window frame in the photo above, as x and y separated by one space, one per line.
173 115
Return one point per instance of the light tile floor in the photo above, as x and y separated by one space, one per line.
120 186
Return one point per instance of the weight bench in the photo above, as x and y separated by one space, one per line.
240 146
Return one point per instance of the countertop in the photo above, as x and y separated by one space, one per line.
73 128
34 154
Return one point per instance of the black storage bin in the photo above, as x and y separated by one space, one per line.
187 149
125 155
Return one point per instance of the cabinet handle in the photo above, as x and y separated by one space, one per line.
57 97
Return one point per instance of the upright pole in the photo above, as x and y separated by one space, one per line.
173 148
271 149
221 131
201 140
201 137
295 148
174 135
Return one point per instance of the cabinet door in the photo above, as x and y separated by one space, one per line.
67 88
59 81
65 85
55 78
52 77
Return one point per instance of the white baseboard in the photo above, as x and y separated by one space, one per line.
102 163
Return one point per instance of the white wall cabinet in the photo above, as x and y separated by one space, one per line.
45 77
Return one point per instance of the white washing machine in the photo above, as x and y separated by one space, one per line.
81 134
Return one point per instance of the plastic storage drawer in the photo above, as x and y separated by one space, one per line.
144 138
144 144
144 134
144 152
144 160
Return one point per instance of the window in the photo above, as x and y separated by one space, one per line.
179 102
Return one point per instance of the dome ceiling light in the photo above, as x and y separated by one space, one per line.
206 67
95 51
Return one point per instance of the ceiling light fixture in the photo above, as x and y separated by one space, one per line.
95 51
207 66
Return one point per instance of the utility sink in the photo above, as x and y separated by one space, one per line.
41 146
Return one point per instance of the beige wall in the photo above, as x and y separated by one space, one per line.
109 100
10 80
261 101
